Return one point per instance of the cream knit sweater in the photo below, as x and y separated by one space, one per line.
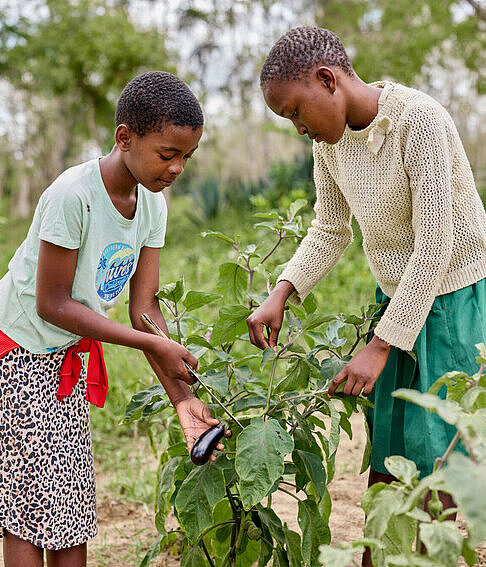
407 181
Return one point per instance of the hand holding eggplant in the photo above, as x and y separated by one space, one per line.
195 419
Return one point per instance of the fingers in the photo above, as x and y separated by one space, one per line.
255 331
191 360
355 385
338 379
274 337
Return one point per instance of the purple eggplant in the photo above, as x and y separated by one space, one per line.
206 443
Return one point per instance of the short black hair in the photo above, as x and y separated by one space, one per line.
156 98
301 49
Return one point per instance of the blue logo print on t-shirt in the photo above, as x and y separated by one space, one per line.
114 269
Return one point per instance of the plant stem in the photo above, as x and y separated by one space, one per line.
356 342
314 394
178 324
199 539
270 385
289 493
280 238
206 553
441 461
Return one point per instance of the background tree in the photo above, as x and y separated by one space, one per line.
66 63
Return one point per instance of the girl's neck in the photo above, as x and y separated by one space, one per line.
118 181
362 106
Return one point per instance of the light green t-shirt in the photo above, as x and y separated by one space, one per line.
76 212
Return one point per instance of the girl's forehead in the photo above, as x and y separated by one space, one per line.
173 136
279 94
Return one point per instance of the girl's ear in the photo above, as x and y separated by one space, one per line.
327 77
123 137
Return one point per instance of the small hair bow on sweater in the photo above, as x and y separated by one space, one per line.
377 134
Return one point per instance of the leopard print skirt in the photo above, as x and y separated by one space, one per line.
47 479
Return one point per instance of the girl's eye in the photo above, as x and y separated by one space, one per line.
166 158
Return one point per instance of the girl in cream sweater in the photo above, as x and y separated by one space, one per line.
391 156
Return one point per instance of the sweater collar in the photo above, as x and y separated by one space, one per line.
381 124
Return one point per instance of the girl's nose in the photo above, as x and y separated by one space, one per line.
176 168
301 129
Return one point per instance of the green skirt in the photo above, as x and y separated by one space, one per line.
456 322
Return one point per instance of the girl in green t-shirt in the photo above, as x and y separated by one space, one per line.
97 228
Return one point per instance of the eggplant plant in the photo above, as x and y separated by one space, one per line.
400 529
287 431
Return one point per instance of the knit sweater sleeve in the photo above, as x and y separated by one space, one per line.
329 234
427 146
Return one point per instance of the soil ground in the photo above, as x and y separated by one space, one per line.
126 529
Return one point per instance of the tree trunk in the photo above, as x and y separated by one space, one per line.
21 204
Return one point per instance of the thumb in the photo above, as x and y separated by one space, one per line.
207 417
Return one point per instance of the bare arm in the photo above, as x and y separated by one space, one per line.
144 284
194 416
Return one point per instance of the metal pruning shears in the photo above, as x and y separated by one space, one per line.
156 330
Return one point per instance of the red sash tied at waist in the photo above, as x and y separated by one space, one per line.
97 377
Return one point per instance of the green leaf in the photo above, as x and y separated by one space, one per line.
332 333
466 481
469 553
316 320
260 451
172 291
452 380
217 380
379 503
334 430
243 376
250 402
230 325
296 379
443 541
165 488
448 410
293 545
232 282
196 299
270 519
315 470
474 399
268 354
280 558
193 557
409 560
197 340
140 400
296 207
157 548
402 468
330 367
314 531
481 359
217 234
334 557
472 428
310 304
268 215
197 497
